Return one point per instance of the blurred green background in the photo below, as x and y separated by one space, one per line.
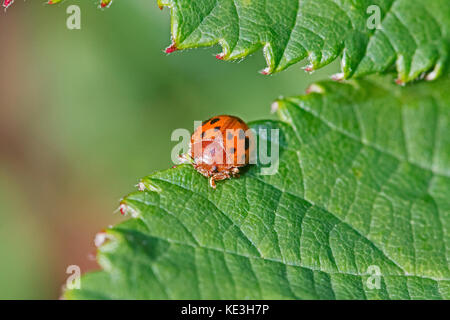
85 113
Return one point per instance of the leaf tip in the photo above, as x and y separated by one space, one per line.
105 4
7 3
309 68
141 186
146 185
171 48
338 76
314 88
100 238
432 75
265 71
274 106
123 209
126 209
278 105
161 5
400 82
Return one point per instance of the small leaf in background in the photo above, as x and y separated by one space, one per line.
411 36
363 184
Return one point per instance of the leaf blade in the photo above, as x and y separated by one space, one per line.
413 37
357 187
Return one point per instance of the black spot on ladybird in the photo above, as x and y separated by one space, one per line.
214 120
217 128
203 134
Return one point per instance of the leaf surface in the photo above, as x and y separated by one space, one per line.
363 184
413 36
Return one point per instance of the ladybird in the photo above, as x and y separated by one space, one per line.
219 147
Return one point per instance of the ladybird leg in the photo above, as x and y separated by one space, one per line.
217 177
212 182
185 158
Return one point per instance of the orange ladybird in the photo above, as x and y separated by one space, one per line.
219 147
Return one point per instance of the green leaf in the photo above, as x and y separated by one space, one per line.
414 35
363 180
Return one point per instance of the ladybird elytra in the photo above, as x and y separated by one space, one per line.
220 147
